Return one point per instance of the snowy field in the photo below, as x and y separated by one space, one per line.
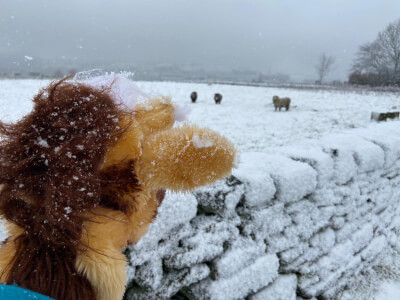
246 115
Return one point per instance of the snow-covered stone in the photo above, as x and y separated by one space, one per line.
255 174
368 156
241 254
293 180
283 288
221 198
312 154
267 222
385 137
251 279
376 246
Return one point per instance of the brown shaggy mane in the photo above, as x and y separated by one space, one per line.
49 166
119 181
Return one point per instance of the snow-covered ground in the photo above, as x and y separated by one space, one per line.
246 115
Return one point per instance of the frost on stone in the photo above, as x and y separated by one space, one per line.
307 217
258 184
376 246
368 156
221 198
312 154
293 180
283 288
210 238
338 257
250 280
149 274
345 167
288 256
324 240
384 136
146 257
362 237
173 282
176 248
346 232
182 207
288 239
326 196
240 254
267 222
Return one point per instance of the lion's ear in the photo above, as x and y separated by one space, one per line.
155 115
128 146
185 158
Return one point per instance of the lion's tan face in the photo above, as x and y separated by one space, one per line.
140 202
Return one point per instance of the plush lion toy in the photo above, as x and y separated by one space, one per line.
82 176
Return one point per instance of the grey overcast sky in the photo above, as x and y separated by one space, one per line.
285 36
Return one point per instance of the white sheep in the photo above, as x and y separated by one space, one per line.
281 102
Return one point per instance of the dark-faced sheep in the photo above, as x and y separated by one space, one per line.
218 98
193 96
281 102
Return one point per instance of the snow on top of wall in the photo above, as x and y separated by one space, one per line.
312 153
260 188
293 180
268 175
382 136
367 155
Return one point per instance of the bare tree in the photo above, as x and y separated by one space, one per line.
324 66
370 58
382 56
389 39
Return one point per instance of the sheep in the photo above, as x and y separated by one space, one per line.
281 102
193 96
218 98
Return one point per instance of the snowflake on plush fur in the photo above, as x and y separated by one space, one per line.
82 176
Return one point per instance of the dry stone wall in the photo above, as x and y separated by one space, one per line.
297 222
